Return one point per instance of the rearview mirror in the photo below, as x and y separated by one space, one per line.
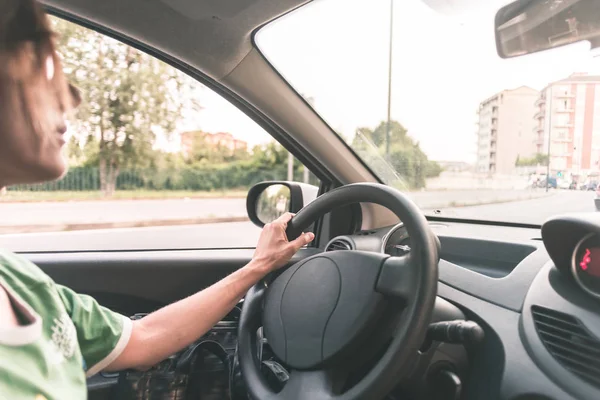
267 201
529 26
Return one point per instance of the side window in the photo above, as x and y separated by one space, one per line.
157 160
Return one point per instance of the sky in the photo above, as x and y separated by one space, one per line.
444 64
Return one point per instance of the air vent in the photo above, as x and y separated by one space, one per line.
339 244
569 342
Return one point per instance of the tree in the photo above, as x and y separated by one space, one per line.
204 151
74 151
129 99
406 157
537 159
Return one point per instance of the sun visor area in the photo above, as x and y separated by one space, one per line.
209 9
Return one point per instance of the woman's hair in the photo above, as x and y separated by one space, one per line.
28 58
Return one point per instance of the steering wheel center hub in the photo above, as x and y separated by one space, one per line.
319 309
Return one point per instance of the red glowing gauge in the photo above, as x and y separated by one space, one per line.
586 264
586 260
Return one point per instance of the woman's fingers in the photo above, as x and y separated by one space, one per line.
302 240
284 219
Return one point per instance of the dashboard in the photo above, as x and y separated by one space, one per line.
534 292
537 296
585 264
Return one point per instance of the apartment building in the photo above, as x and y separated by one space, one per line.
568 124
506 130
224 140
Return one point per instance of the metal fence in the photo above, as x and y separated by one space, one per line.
195 179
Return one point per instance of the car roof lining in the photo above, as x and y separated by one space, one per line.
212 35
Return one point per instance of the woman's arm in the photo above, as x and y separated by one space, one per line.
170 329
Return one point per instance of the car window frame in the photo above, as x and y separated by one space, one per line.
327 181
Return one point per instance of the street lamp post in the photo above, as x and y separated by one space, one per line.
290 169
549 139
389 99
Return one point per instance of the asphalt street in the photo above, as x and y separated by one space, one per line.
244 234
79 212
534 211
207 236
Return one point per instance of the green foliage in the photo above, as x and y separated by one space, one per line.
537 159
170 171
129 98
204 152
406 157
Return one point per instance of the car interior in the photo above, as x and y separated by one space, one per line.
386 303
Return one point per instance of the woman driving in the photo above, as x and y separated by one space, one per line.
51 338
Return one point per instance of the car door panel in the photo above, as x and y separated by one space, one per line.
142 281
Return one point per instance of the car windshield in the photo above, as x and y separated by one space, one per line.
418 90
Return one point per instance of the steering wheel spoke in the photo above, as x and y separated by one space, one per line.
310 385
398 277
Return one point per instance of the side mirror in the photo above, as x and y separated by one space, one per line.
267 201
529 26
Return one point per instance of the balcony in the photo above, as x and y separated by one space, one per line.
563 110
539 115
563 125
538 129
564 95
562 140
540 101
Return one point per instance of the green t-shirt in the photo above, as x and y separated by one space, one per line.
66 336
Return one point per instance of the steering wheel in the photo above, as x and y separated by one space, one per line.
330 314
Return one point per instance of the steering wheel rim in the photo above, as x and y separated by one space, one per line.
412 278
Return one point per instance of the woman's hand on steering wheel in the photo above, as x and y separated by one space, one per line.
328 313
273 250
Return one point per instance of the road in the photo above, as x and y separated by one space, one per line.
244 234
80 212
534 211
229 234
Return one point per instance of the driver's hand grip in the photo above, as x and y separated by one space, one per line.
293 231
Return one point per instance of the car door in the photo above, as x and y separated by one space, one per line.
161 217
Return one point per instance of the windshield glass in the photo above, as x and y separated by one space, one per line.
467 133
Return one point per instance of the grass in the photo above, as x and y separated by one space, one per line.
14 196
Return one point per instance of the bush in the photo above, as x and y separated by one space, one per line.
196 177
